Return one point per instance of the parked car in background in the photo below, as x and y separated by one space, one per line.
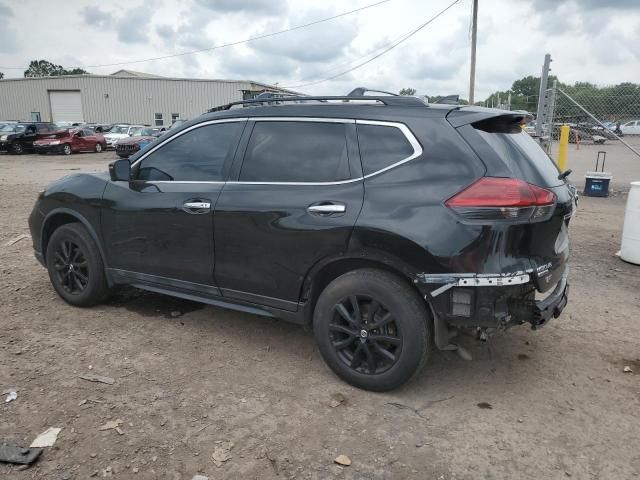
630 128
125 147
70 140
99 127
119 131
19 137
530 128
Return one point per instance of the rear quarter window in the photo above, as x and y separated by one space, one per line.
381 146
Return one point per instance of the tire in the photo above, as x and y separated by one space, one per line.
66 149
17 148
348 343
75 266
98 147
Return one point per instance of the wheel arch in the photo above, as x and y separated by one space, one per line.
327 270
63 216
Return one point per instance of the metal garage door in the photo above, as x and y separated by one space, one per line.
66 106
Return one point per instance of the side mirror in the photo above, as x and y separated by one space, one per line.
120 170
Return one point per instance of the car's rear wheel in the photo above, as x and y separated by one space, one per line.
17 148
373 329
66 149
75 266
98 147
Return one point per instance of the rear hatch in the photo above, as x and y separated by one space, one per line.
538 245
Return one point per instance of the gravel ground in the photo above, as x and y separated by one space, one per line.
191 378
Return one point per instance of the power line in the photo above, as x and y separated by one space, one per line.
271 34
224 45
391 45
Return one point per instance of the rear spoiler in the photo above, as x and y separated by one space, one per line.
488 119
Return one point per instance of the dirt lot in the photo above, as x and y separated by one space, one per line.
185 385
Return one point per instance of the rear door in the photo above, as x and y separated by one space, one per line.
296 193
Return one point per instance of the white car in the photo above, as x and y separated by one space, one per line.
631 128
117 132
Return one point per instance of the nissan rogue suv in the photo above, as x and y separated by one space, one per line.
384 224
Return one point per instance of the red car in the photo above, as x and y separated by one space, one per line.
71 140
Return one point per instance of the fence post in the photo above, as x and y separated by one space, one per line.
544 77
562 152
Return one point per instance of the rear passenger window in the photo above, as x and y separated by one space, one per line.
381 146
296 152
197 155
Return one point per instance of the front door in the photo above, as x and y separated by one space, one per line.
159 226
295 198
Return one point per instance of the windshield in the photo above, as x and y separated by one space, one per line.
118 129
147 132
12 128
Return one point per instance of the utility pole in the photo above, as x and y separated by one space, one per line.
474 34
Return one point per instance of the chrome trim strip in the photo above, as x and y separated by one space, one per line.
417 148
303 119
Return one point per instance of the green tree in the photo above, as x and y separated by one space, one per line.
408 91
76 71
44 68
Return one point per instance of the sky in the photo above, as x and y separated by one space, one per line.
589 40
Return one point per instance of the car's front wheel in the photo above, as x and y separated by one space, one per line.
98 147
75 266
17 148
66 149
373 329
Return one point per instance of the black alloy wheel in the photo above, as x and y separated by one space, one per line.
72 267
365 335
17 148
75 266
66 149
373 329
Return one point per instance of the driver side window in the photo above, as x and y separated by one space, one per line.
197 155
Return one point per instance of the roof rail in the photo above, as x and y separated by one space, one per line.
360 92
384 100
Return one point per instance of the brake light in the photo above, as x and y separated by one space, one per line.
511 199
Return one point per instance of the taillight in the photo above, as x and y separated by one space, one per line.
510 199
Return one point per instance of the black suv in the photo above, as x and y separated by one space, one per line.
385 224
19 137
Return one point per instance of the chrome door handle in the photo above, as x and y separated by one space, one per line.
197 205
327 209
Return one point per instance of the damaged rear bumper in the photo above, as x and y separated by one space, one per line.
553 305
492 301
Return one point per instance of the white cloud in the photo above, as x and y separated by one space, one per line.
590 40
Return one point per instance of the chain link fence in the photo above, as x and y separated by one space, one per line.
596 115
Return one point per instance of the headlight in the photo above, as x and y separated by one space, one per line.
3 138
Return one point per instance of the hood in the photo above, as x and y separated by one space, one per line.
116 135
137 139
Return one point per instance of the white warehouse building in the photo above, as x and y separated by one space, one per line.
122 97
